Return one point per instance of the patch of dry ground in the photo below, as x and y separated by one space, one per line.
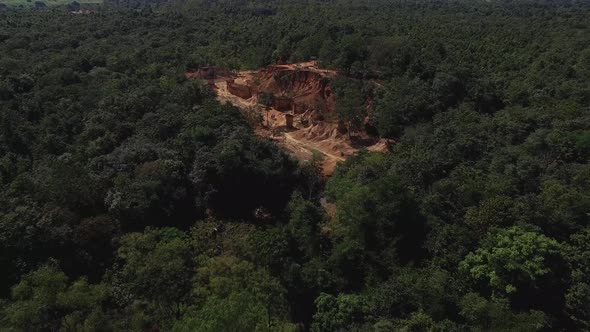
308 140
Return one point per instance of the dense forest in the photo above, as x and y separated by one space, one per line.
131 200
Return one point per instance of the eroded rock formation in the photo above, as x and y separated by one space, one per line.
242 91
306 88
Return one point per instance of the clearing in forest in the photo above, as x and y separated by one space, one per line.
299 114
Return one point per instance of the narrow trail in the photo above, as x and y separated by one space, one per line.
310 146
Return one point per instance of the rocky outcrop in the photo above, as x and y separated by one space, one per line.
283 104
289 121
307 88
299 108
242 91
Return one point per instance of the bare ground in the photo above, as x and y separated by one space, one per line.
319 144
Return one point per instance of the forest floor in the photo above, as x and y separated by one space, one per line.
320 143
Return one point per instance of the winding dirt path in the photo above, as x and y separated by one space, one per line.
311 146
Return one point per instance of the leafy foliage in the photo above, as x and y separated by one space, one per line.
513 259
131 200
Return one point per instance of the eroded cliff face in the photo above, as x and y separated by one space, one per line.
306 86
240 90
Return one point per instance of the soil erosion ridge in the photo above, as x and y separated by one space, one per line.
293 105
